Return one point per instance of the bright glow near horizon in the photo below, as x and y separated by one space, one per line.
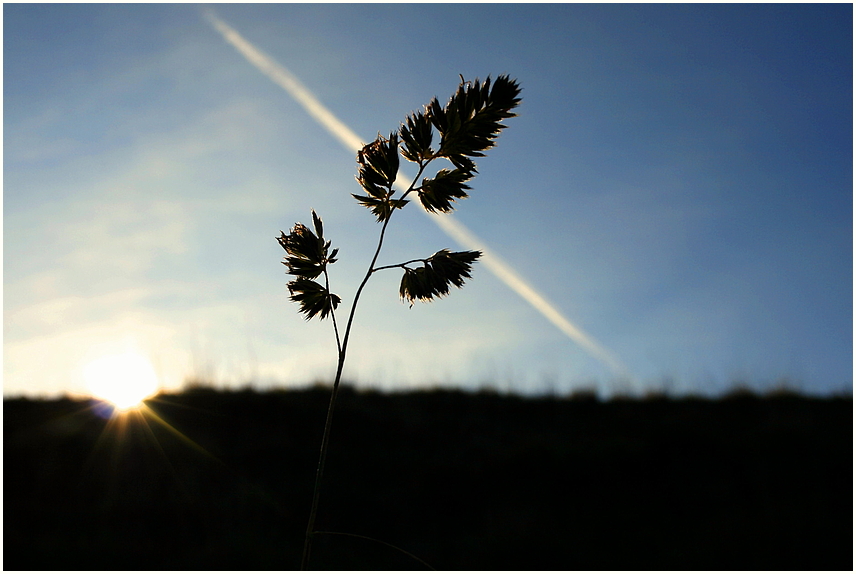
124 380
675 196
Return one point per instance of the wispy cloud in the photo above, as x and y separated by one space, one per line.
104 253
456 230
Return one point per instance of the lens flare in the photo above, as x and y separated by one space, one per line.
123 380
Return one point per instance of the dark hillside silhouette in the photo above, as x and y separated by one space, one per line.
464 481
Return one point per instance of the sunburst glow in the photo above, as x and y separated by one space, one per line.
124 380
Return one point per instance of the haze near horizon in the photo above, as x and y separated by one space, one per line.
678 184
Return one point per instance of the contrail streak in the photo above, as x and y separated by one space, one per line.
286 80
507 275
457 231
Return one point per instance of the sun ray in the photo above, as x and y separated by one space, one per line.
148 412
124 380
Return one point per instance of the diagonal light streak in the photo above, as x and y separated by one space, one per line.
456 230
512 279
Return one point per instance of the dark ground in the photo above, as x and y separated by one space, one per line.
464 481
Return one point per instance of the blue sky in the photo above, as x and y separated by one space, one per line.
678 184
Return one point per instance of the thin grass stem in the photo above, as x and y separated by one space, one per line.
402 550
343 349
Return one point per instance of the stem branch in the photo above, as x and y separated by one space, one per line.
343 349
402 265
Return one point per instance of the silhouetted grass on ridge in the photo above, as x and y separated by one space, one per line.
464 480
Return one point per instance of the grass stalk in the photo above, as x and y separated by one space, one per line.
343 349
468 126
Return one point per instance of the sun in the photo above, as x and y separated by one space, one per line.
124 380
